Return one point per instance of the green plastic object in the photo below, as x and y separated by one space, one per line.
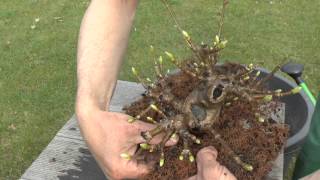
309 158
306 89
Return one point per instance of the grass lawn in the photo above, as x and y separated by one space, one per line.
37 56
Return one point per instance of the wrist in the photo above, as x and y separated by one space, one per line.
86 106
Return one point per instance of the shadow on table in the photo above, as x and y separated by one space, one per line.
87 168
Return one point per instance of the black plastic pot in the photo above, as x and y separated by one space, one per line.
298 115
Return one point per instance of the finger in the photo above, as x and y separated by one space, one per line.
206 156
156 140
143 126
138 128
171 142
206 161
208 167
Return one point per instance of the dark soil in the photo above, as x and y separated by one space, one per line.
256 143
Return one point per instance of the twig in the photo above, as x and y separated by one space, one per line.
224 5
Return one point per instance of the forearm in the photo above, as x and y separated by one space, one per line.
103 40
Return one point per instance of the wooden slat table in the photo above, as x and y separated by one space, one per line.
68 158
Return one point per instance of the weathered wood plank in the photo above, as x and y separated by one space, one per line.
64 159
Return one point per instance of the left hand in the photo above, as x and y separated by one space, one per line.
209 168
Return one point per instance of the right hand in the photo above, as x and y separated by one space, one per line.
108 135
209 168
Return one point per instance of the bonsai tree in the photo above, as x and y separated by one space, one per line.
191 104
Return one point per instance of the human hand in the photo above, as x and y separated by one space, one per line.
209 168
108 135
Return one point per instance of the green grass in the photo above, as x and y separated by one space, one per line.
37 66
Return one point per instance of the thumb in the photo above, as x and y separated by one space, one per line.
209 168
206 158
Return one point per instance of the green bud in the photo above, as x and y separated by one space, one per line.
161 163
248 167
250 66
145 146
186 35
217 39
125 156
131 119
149 80
171 57
174 135
261 119
160 60
268 98
150 119
258 73
134 71
154 107
198 141
278 91
296 90
223 44
191 158
181 157
246 78
151 49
